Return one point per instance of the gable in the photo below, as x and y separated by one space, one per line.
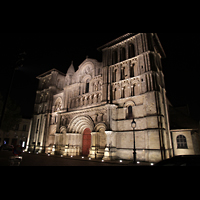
86 69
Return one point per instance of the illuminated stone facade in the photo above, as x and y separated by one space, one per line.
89 111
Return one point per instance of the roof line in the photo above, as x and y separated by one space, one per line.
48 72
119 39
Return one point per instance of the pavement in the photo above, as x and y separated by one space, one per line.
45 160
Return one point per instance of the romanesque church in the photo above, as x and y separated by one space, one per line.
89 111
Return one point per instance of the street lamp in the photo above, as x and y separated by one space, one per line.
133 125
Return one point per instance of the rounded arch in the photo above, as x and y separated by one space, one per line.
86 77
123 54
99 127
87 63
116 92
129 103
63 129
131 50
80 123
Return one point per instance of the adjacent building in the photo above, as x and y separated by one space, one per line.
18 135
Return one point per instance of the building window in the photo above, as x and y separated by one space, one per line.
115 94
131 51
24 127
99 71
181 142
23 144
115 76
123 92
130 112
122 73
123 54
132 90
132 70
87 86
114 58
16 127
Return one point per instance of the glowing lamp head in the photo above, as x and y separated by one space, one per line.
133 124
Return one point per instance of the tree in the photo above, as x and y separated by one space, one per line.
12 115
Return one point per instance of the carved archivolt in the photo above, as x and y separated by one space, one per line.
80 123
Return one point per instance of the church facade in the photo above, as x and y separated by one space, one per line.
89 111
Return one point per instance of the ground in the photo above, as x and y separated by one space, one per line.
44 160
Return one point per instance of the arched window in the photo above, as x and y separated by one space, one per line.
99 71
123 54
115 94
114 75
123 92
131 51
122 73
87 86
181 142
133 90
132 70
114 57
130 112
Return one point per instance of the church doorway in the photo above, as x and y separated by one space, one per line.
86 142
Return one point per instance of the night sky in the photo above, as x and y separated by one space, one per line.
56 50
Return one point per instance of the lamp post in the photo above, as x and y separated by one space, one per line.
133 124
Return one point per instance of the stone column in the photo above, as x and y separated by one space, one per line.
94 145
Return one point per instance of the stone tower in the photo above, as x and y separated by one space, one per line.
133 81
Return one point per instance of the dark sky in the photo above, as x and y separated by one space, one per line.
56 50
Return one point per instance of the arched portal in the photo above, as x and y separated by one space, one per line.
86 142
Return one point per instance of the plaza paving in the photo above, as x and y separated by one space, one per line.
45 160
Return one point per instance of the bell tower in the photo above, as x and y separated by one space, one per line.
132 72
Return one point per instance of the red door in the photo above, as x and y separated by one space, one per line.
86 141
